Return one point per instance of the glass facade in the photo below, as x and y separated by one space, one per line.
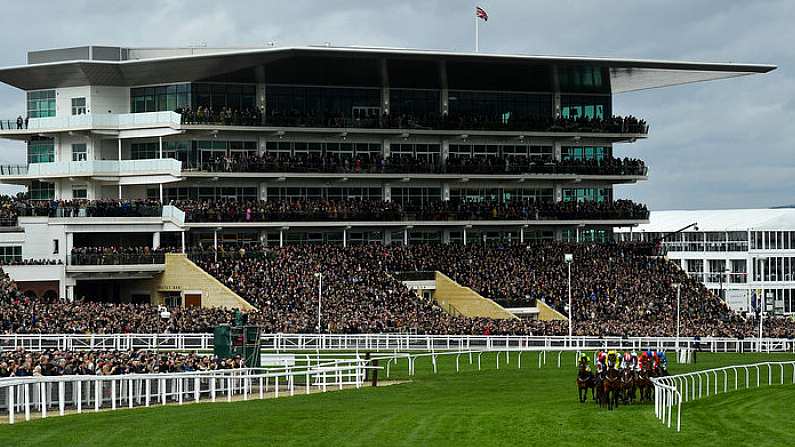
583 78
539 194
144 151
586 194
41 190
11 254
580 153
773 240
41 151
504 105
218 96
205 193
79 152
414 102
417 195
160 98
588 106
318 101
41 104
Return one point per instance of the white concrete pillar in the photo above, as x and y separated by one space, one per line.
344 238
465 236
68 245
215 240
70 293
161 193
119 149
281 238
155 240
387 192
445 191
182 235
405 236
521 235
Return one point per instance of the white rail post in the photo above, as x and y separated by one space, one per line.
112 394
11 392
97 394
61 397
44 398
27 402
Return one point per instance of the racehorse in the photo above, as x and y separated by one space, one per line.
644 384
612 383
628 385
585 380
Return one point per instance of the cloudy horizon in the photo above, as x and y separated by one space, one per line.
718 144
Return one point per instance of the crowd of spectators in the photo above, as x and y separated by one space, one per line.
461 121
617 290
402 164
226 116
21 363
116 255
228 210
86 208
378 210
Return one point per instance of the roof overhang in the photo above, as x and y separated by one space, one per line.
625 74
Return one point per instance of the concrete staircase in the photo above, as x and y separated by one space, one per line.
182 275
463 301
546 313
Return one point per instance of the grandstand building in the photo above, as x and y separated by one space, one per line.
440 147
729 251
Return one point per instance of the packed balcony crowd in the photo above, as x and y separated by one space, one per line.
402 164
378 210
21 363
116 255
226 116
85 208
461 121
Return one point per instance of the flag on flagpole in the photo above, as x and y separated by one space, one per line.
481 14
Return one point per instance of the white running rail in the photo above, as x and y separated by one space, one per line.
383 342
21 397
671 391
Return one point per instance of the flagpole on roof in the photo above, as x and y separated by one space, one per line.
477 43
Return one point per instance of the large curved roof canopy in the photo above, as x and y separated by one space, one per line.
359 66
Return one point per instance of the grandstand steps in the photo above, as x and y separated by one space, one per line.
183 276
458 300
547 313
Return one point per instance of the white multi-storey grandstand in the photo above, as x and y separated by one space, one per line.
197 146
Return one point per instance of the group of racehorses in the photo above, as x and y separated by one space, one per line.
612 384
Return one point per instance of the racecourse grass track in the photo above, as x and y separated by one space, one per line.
527 406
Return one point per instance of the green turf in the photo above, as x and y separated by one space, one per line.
530 406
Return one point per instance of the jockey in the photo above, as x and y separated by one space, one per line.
662 360
585 359
634 356
601 360
626 362
643 359
616 357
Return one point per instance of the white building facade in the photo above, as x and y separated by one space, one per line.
740 255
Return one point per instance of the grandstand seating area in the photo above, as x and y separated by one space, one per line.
618 290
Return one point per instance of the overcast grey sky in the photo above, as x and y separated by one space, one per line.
722 144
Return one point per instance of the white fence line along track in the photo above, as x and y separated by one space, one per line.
671 391
384 342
